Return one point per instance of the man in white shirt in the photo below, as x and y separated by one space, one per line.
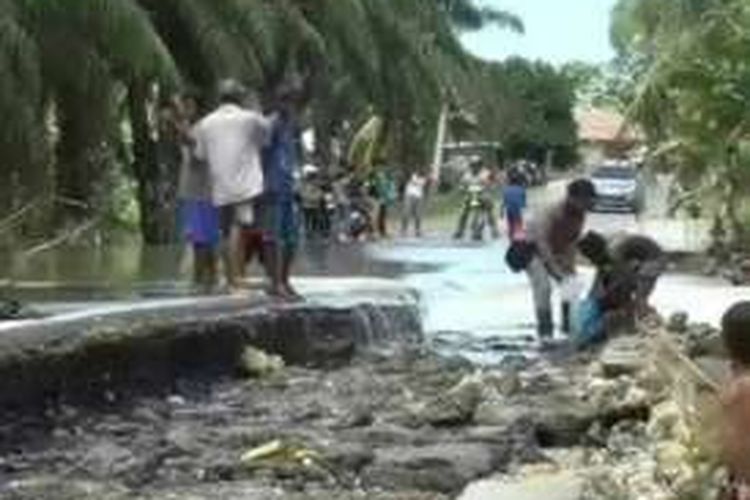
413 200
231 139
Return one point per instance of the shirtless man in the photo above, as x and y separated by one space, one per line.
555 233
735 399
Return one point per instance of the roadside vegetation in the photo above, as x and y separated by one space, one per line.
85 86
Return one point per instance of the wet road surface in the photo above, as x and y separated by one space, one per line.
471 302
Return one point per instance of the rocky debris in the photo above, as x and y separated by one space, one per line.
622 356
395 426
47 488
444 468
703 340
249 490
13 310
480 397
563 421
736 270
453 408
257 363
565 485
499 412
669 456
678 322
106 459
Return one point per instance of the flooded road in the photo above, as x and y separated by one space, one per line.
471 302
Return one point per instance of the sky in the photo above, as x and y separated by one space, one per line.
557 31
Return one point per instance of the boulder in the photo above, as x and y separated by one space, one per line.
444 468
703 340
622 356
106 459
500 412
351 457
554 486
454 407
562 422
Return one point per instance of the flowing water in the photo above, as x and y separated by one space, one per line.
471 302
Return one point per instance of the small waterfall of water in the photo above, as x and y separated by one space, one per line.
386 323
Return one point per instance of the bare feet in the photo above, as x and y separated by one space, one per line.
292 294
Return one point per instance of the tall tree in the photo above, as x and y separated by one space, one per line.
692 94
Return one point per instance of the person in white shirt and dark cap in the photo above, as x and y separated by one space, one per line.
230 140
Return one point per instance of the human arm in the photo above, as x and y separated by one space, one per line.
198 143
735 445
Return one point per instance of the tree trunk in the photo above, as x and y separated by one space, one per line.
155 168
732 201
77 173
437 158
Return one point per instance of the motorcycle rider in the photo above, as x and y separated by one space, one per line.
475 185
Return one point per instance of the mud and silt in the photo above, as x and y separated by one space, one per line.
390 424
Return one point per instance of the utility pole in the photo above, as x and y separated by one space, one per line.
437 159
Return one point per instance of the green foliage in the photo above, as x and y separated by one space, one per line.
692 95
73 72
527 106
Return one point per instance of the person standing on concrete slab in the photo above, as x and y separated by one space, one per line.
280 212
230 140
554 234
199 217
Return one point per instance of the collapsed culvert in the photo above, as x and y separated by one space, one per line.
98 360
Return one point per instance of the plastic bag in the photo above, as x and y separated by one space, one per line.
519 255
570 289
588 323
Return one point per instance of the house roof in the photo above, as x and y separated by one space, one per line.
604 125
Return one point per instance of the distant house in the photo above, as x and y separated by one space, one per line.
603 134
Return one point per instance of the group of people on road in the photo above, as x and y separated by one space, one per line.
237 185
358 207
482 188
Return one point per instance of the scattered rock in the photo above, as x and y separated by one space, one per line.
55 489
348 456
106 459
622 356
455 407
507 383
181 439
703 340
358 416
562 423
500 413
256 363
554 486
678 322
444 468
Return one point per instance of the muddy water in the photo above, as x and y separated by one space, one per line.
472 304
